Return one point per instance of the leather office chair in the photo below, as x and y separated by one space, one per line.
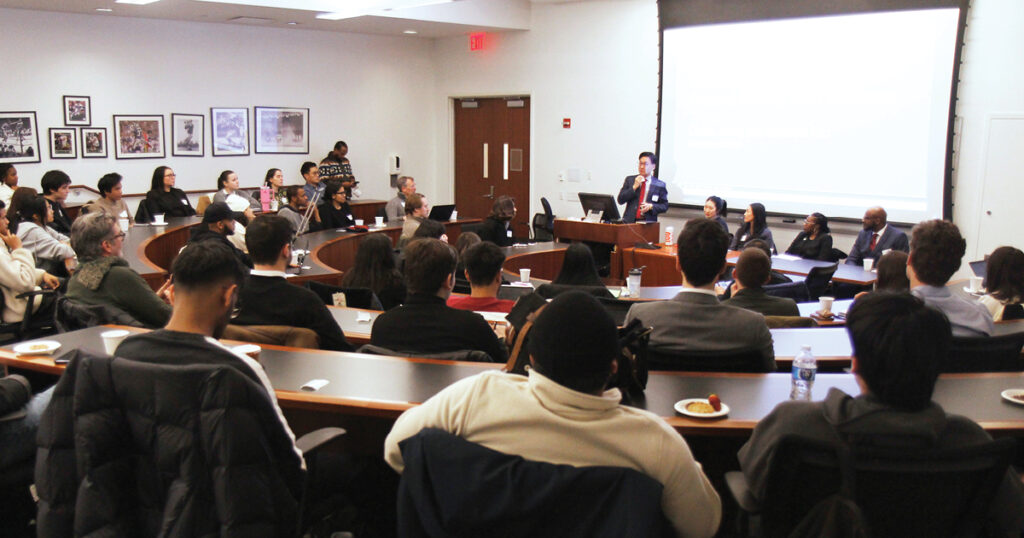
30 326
616 308
792 290
935 493
462 355
70 316
818 279
550 291
544 223
986 354
732 361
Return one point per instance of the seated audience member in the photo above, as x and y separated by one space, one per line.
425 323
375 269
715 209
164 199
110 201
755 226
1004 280
274 180
430 229
936 248
483 263
578 269
892 272
314 182
228 191
876 238
267 298
562 412
497 227
465 240
21 196
776 277
218 225
45 243
416 211
335 212
103 276
815 241
694 320
752 272
295 211
8 182
56 185
18 274
898 346
395 208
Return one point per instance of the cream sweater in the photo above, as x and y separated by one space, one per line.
18 274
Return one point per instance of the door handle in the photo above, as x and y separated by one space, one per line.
490 194
485 160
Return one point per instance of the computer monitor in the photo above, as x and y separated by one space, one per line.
600 202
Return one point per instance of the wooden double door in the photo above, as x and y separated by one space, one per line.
492 156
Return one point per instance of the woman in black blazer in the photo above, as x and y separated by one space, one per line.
815 242
755 226
497 227
164 198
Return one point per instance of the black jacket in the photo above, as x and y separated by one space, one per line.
493 230
271 300
426 324
171 204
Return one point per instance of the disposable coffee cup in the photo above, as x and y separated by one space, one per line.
633 284
359 222
252 350
975 284
378 221
158 218
869 263
825 304
524 275
112 339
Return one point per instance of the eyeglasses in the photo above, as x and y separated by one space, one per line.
170 175
116 237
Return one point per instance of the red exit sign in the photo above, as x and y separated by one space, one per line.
476 41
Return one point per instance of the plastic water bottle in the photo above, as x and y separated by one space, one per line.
805 367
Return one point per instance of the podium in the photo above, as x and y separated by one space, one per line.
620 236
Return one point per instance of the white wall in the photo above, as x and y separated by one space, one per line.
373 92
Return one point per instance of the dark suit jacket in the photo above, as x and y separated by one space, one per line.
631 198
271 300
891 239
756 300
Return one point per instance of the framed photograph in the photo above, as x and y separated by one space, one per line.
77 110
187 135
63 144
230 130
19 138
282 130
94 142
139 137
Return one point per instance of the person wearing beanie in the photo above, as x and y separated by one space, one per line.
218 224
561 413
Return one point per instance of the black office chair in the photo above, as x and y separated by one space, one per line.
986 354
70 316
544 223
935 493
354 297
550 291
31 325
792 290
616 308
462 355
732 361
473 227
836 255
818 279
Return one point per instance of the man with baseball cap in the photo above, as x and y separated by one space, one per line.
219 223
561 413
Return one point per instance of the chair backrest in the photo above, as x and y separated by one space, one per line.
354 297
732 361
792 290
788 322
281 335
818 278
550 291
986 354
616 308
540 228
144 213
462 355
550 215
202 203
910 492
453 487
512 293
69 316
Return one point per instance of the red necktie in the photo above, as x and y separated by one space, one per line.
874 241
643 193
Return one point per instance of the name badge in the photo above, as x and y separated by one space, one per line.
184 201
508 233
349 217
654 197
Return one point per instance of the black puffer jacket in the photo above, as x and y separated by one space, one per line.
128 448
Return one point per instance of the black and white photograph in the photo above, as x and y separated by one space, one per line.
19 137
187 135
94 142
139 137
62 143
77 110
230 128
282 130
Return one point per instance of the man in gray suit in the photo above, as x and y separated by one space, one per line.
694 321
753 270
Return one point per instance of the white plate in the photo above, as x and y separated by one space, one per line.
33 348
1009 394
979 292
681 407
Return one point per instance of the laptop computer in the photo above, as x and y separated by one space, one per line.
441 212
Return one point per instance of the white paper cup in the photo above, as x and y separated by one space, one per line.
112 339
252 350
158 218
869 263
633 284
524 275
825 304
975 284
379 221
359 222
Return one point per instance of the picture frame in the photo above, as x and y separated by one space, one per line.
19 138
229 129
139 136
77 110
281 130
63 143
187 135
94 142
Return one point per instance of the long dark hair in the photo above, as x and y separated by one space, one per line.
374 267
720 205
578 267
270 175
223 178
158 179
758 224
822 222
29 210
1004 274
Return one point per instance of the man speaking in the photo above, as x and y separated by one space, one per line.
645 196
